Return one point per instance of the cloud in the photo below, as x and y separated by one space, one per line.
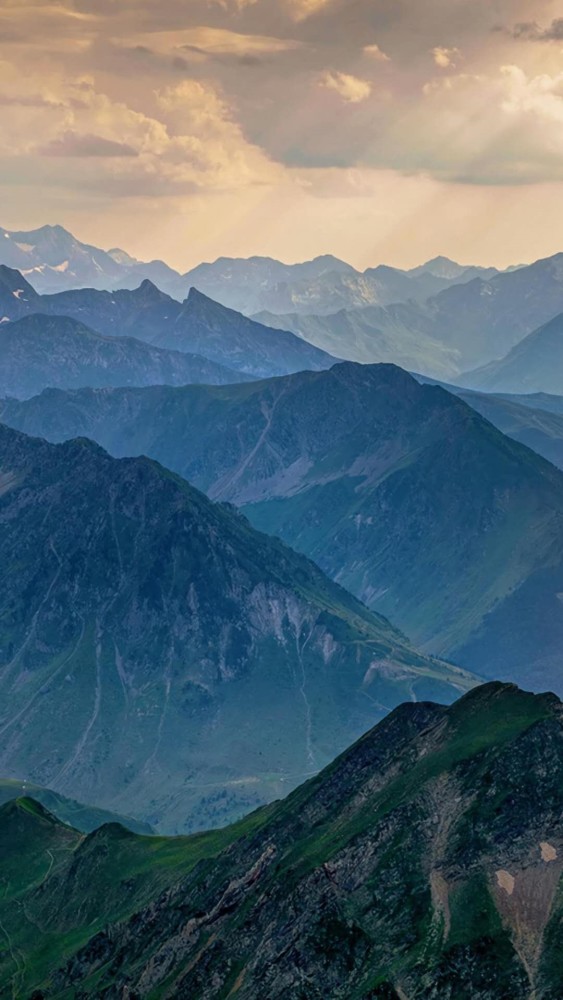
74 144
498 128
211 41
303 9
350 88
446 58
532 31
375 52
189 142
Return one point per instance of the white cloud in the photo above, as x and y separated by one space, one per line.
446 58
376 53
540 97
350 88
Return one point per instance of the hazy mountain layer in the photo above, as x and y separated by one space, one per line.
534 365
53 259
373 335
399 491
322 286
197 326
39 351
475 322
161 658
427 857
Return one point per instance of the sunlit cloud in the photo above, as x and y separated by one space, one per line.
446 58
376 53
295 121
302 9
350 88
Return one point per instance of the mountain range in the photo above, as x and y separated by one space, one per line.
440 319
450 333
39 351
400 492
55 260
424 862
374 335
197 326
162 659
324 285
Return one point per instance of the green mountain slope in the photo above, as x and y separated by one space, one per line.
424 862
399 491
160 657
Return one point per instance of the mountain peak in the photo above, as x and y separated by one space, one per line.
195 296
13 279
440 267
150 290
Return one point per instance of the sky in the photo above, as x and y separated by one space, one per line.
377 130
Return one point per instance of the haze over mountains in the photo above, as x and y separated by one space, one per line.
54 260
139 624
425 857
441 319
461 327
58 342
39 351
163 659
535 364
324 285
400 492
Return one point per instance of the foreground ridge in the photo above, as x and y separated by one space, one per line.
424 862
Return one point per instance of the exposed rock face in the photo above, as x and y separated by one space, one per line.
425 862
160 657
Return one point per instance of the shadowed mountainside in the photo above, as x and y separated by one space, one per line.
160 657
